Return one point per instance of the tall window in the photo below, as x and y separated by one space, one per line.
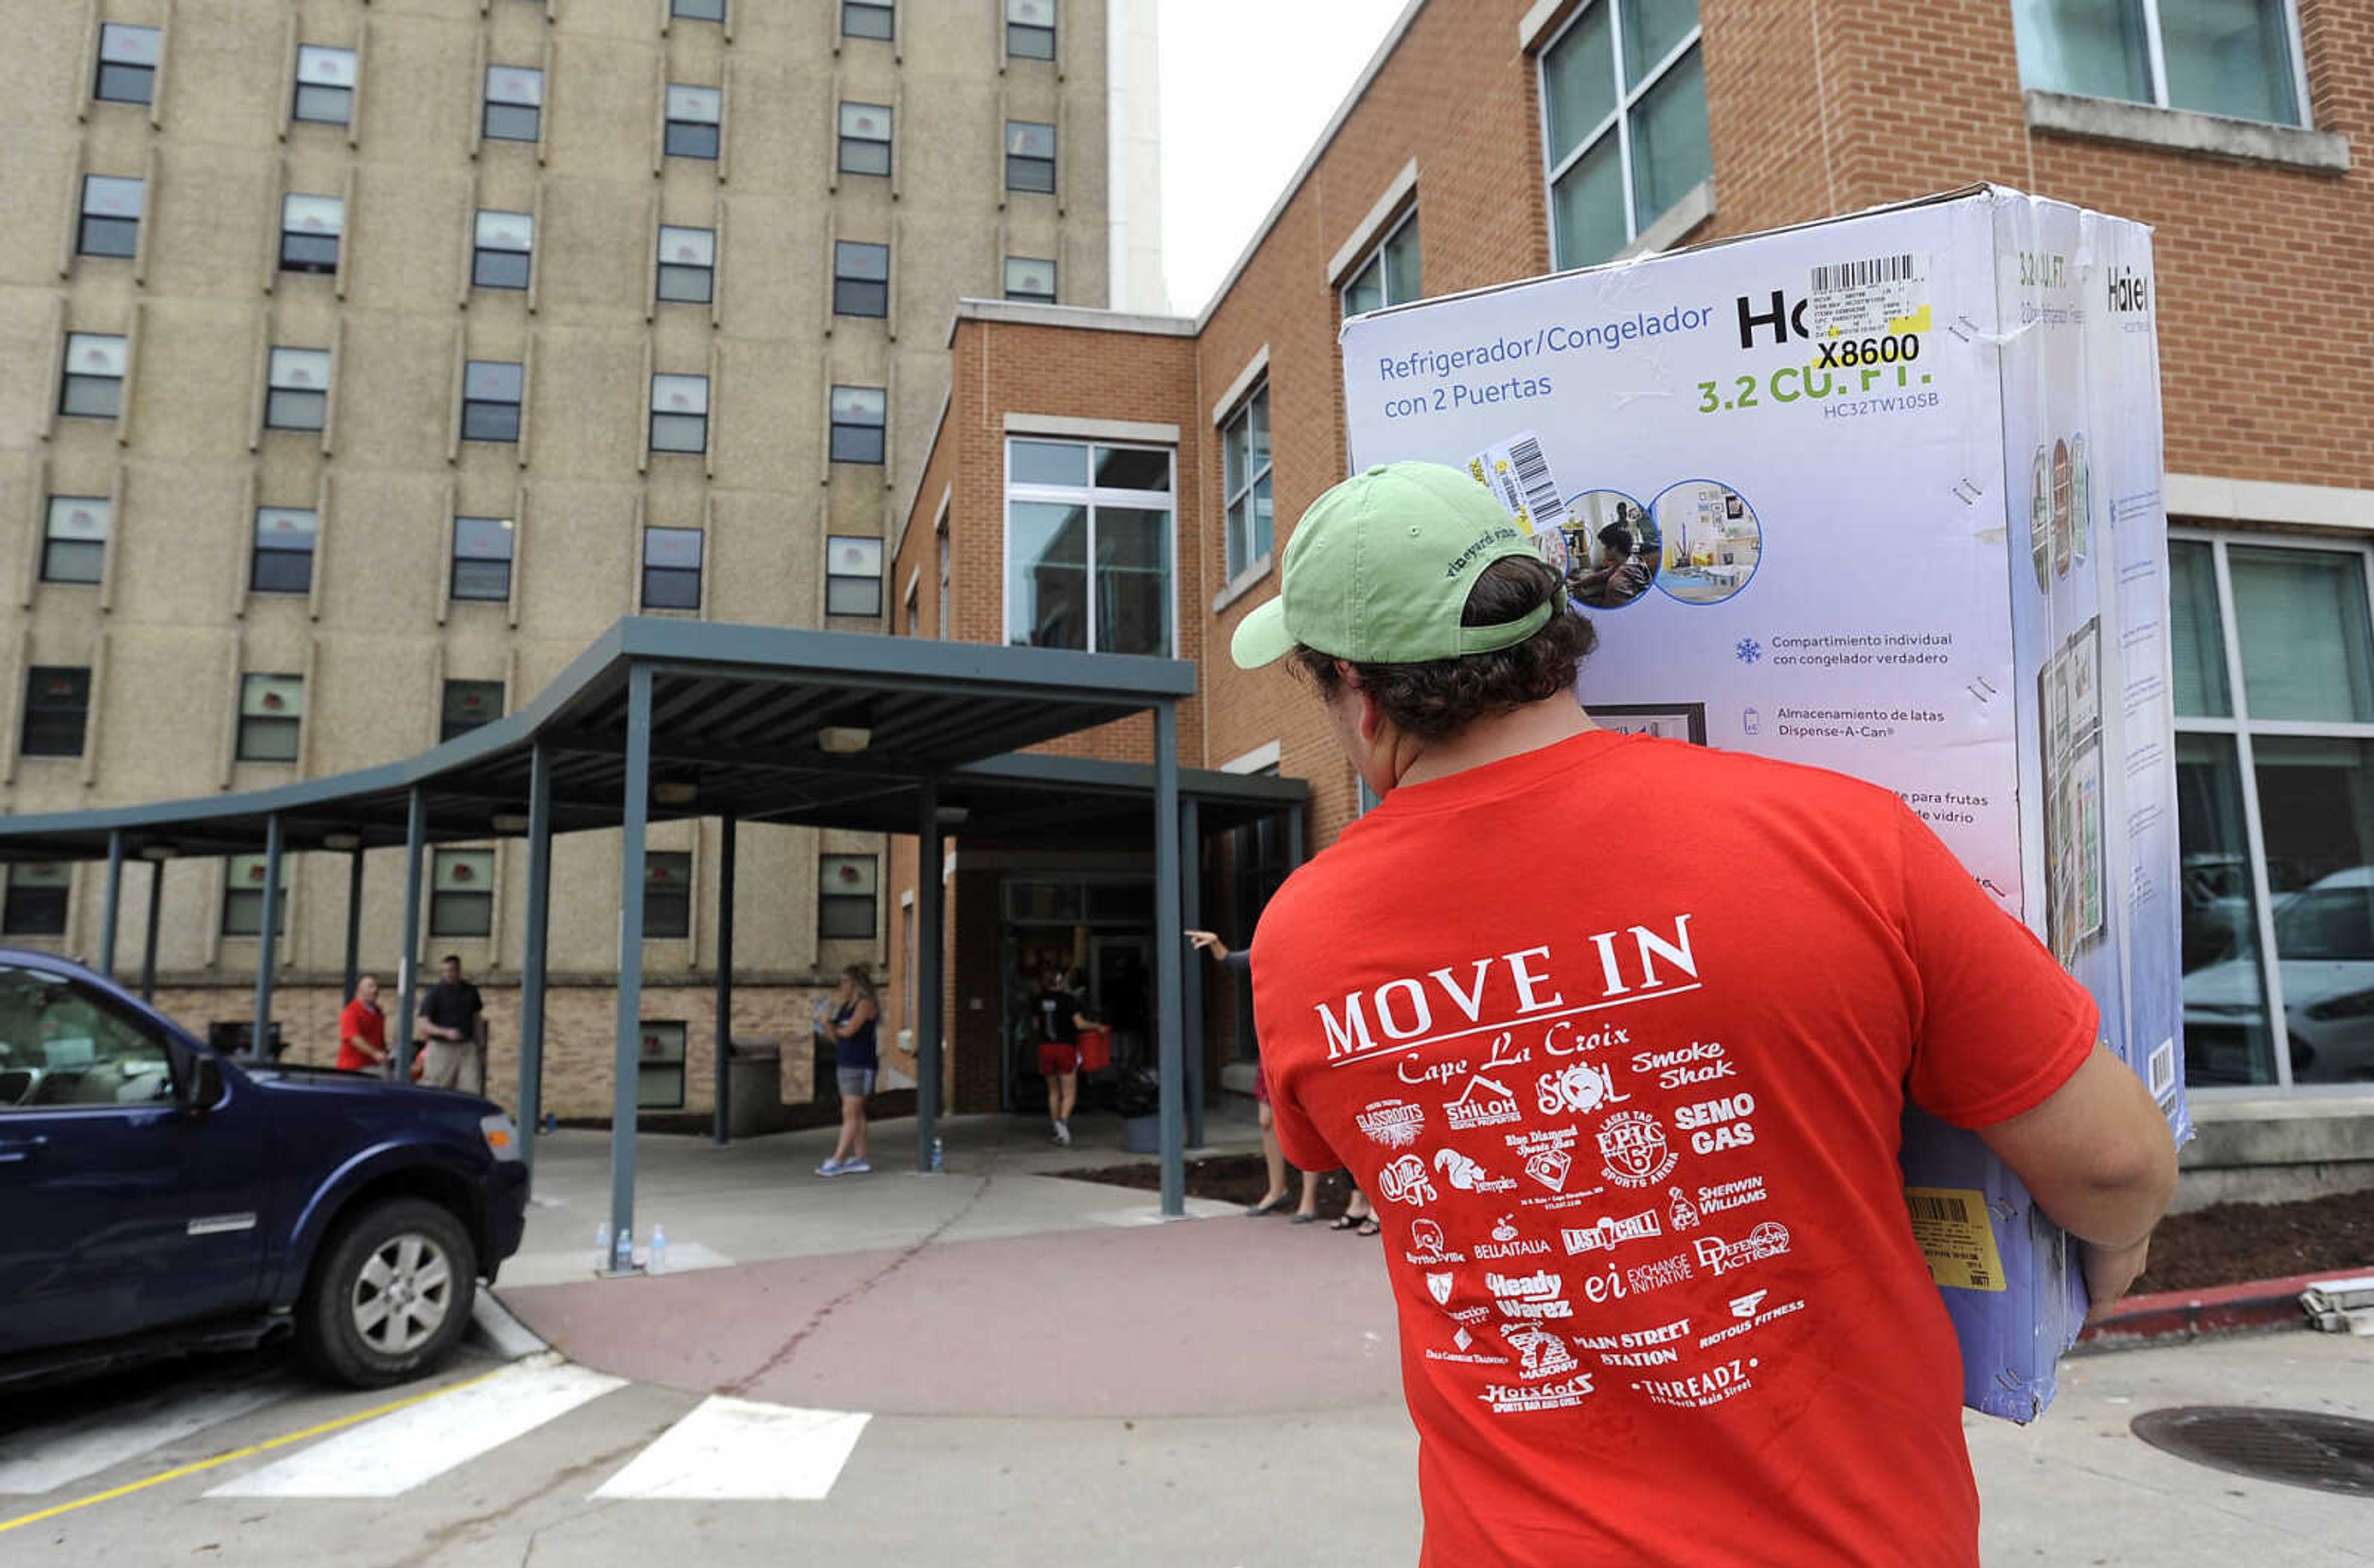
127 63
58 710
462 893
864 138
2274 656
111 216
861 278
671 568
847 887
1030 29
1088 532
504 249
694 116
940 624
284 550
298 395
1390 274
36 900
491 390
667 893
325 85
659 1070
514 109
2238 58
1029 155
271 714
857 424
93 384
679 414
1029 278
1245 461
688 265
242 910
74 540
466 705
868 18
309 230
853 580
1624 123
482 558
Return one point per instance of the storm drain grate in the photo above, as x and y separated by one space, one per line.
2296 1447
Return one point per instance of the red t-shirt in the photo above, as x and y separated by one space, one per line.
1617 1035
360 1020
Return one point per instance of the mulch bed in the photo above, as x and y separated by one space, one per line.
2224 1243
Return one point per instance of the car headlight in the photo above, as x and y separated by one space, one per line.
501 1135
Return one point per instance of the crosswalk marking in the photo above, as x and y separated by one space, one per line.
739 1450
40 1460
392 1455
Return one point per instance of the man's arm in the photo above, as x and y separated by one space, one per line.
2097 1153
365 1050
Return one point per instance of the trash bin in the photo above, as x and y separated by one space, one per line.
1138 1095
757 1083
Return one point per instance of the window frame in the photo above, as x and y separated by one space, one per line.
844 138
19 900
258 550
278 398
835 547
1053 276
47 715
146 69
314 265
447 727
886 9
80 540
843 279
665 267
1014 158
660 1031
828 899
658 865
857 430
482 249
1015 28
1375 261
1090 497
671 573
676 9
237 921
487 408
490 100
461 554
2155 67
694 126
90 223
1618 120
1234 563
652 423
450 864
345 89
253 726
69 379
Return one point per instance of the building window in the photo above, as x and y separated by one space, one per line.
491 389
861 278
914 627
309 230
468 705
58 710
271 709
865 19
1244 448
1030 29
680 414
659 1071
940 626
284 550
242 913
864 138
127 63
694 115
1029 155
846 889
2230 57
325 85
853 580
671 568
1029 278
505 248
667 893
697 10
299 395
36 900
1624 123
1088 533
857 424
1390 274
514 104
74 540
462 893
93 384
111 216
688 265
482 558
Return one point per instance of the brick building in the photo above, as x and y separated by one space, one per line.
1495 139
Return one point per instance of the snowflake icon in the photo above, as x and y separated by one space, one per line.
1748 651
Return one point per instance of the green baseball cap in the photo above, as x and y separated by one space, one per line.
1379 570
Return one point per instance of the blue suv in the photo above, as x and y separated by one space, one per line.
157 1197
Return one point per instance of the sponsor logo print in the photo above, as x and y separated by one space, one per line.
1702 1061
1485 1102
1684 1215
1507 1243
1712 1387
1405 1181
1732 1194
1632 1146
1637 1339
1426 1239
1508 1399
1719 1256
1717 1125
1535 1295
1579 1087
1750 1317
1393 1124
1466 1175
1561 1040
1543 1353
1611 1230
1550 1167
1745 1306
1439 1287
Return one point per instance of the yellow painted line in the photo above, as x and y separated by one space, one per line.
254 1448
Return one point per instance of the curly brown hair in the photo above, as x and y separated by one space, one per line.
1437 699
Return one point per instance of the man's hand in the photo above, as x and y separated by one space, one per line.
2109 1271
1208 941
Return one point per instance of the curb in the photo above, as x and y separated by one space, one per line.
2216 1309
492 1324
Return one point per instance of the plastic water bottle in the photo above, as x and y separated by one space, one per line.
622 1259
601 1247
657 1263
936 1162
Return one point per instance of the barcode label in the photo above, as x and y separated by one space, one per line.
1863 273
1540 491
1938 1206
1518 477
2163 1069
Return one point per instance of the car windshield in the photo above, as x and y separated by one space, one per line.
2333 923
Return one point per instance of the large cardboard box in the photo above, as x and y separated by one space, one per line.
1880 493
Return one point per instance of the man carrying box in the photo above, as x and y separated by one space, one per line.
1634 1131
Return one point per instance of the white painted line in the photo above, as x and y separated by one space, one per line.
741 1450
509 1337
40 1460
391 1455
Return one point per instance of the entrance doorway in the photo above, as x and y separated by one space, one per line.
1098 929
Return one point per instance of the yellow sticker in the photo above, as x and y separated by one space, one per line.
1957 1236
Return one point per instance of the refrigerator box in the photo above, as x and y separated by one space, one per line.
1879 494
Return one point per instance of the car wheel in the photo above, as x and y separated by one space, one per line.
389 1294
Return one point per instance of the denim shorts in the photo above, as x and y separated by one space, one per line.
858 1080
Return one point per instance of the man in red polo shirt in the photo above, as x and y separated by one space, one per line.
362 1030
1631 1119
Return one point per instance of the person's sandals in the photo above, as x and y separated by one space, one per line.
1268 1206
1370 1227
1301 1218
1344 1223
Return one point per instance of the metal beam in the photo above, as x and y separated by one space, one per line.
724 1095
926 958
148 944
1191 1012
407 969
114 899
532 972
268 944
635 810
1166 944
354 920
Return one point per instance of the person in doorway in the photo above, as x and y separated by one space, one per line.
1622 575
1272 1198
362 1030
448 1022
1057 1022
855 1061
1749 1010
